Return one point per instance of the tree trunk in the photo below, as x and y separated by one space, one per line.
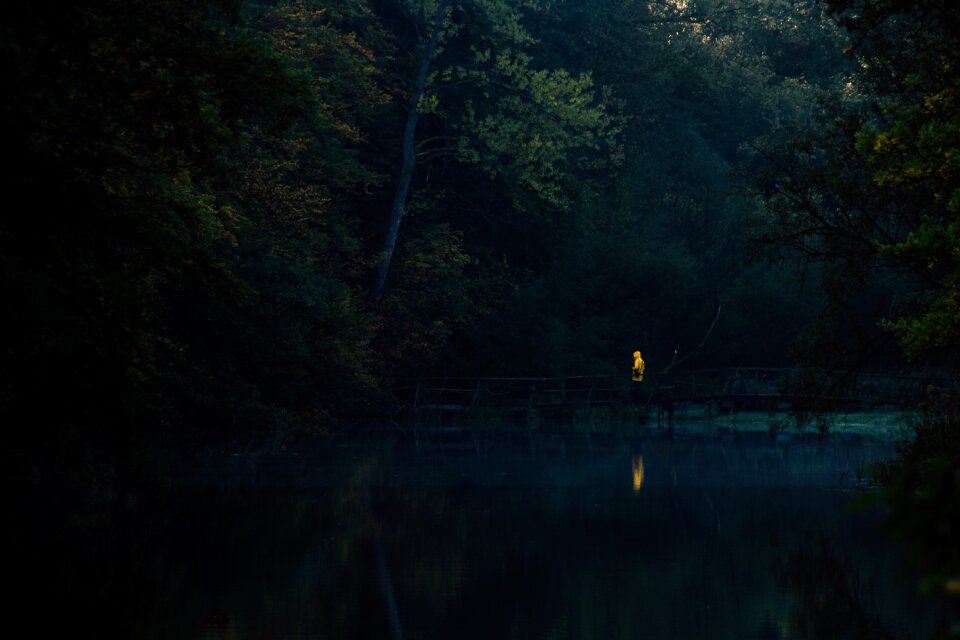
409 161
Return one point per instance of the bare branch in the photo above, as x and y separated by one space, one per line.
676 361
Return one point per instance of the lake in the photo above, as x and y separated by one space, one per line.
559 538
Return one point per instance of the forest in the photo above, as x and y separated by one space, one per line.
245 223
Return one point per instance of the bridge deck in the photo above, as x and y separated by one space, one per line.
739 386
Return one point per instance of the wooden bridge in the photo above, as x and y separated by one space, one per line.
730 389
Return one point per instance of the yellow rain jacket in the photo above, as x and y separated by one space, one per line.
638 367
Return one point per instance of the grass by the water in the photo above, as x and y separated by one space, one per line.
887 425
696 421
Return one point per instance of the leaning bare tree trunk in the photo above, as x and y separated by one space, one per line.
409 161
678 360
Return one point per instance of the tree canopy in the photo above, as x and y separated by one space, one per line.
202 191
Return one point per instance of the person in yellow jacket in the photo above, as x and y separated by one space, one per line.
638 367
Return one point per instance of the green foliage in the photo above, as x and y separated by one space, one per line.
493 105
919 155
197 194
534 139
118 119
435 295
182 274
208 184
871 193
873 186
922 490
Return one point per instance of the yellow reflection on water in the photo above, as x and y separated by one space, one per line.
637 473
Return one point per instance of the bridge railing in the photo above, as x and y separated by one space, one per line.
453 393
794 385
717 383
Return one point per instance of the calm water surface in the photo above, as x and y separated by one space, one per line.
639 539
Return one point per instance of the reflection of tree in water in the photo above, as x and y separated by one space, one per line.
465 559
833 600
